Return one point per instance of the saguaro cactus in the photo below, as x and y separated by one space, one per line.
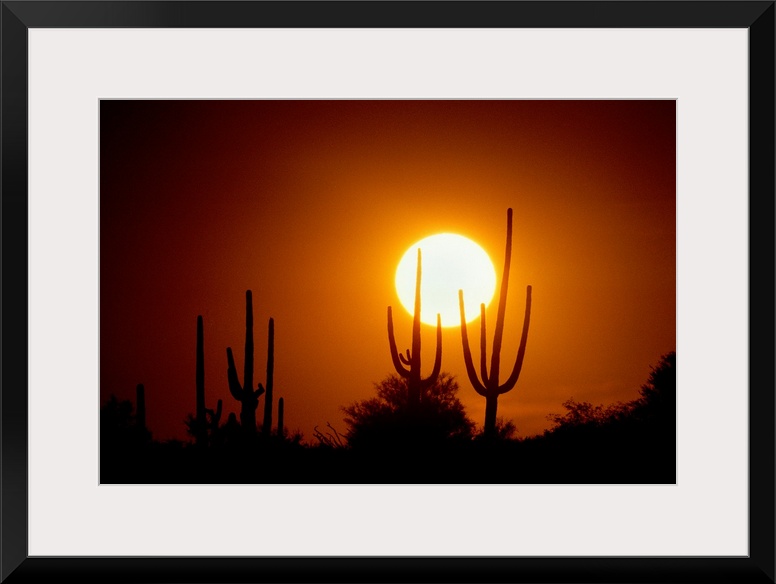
245 394
415 383
200 432
489 387
205 419
266 428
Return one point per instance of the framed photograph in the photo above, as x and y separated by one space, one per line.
209 206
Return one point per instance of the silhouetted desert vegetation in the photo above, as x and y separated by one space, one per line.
633 442
414 430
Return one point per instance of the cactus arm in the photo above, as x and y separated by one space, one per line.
502 304
510 383
248 377
397 364
259 391
467 354
431 379
231 374
483 348
406 360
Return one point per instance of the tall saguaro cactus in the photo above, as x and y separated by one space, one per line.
489 387
201 422
408 366
200 434
244 393
266 428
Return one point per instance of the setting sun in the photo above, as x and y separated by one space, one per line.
450 262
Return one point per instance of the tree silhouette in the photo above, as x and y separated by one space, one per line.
623 442
121 426
658 394
656 405
388 420
116 415
586 414
655 410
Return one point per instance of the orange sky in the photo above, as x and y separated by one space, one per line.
311 205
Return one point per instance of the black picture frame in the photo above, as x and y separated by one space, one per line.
19 16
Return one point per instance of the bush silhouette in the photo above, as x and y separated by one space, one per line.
120 425
504 430
658 394
391 421
655 407
585 414
622 442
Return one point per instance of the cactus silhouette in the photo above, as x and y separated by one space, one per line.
244 393
415 383
200 432
266 428
281 407
489 387
140 414
214 417
202 425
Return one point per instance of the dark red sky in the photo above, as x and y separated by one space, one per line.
311 205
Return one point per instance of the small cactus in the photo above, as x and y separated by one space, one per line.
214 417
267 424
489 387
415 383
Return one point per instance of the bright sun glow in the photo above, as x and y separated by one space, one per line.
449 263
